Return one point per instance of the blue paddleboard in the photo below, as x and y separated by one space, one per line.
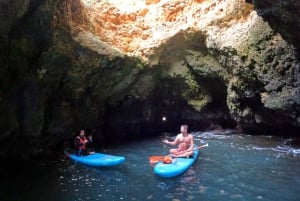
97 159
177 167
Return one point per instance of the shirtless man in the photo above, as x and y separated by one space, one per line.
185 143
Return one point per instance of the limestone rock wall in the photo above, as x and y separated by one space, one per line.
120 66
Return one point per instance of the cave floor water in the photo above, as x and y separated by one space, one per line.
233 167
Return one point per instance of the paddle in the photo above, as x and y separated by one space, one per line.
92 132
157 158
90 146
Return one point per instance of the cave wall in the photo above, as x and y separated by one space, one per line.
57 76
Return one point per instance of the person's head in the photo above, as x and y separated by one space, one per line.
183 128
82 133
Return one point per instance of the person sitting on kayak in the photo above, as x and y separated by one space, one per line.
185 142
80 144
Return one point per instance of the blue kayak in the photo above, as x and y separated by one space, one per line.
177 167
97 159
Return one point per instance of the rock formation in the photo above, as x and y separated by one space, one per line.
121 65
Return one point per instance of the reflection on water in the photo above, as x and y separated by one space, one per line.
232 167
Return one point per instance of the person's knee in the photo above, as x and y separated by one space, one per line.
172 151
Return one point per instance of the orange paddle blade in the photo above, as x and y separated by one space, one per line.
155 159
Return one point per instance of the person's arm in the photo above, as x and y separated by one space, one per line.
85 140
90 138
77 141
171 143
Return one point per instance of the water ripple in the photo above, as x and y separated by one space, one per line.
282 148
233 167
163 186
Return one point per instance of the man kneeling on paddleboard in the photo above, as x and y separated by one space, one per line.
185 142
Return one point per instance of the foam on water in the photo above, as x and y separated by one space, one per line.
280 147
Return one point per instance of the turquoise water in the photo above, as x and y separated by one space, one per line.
232 167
